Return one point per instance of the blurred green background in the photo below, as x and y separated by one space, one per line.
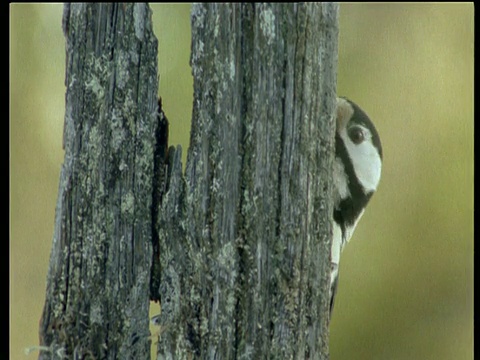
406 279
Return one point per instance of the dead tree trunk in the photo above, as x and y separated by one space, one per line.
97 300
244 235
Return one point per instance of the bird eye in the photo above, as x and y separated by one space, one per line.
356 134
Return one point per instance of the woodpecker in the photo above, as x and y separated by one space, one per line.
356 174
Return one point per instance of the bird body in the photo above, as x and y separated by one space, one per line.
356 173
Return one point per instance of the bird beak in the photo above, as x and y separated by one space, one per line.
344 113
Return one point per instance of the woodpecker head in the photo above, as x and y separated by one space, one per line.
356 174
358 163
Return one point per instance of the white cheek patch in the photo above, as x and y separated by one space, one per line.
365 159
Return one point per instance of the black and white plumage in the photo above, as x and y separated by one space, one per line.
357 170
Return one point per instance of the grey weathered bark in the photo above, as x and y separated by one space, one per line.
244 236
97 301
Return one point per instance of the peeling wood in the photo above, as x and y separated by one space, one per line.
244 234
97 302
